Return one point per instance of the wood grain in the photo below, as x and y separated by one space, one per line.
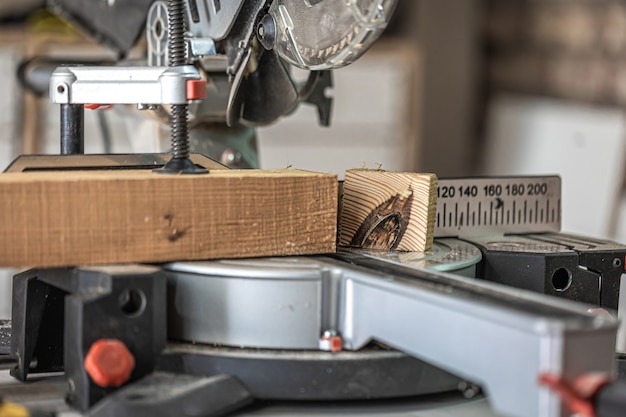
78 218
388 210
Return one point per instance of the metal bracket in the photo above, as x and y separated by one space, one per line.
474 330
59 313
122 85
470 328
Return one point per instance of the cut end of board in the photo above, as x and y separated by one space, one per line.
388 210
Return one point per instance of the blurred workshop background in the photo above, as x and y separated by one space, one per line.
491 87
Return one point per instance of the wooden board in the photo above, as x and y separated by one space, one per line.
78 218
388 210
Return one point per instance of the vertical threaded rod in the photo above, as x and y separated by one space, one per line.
176 33
177 50
178 56
180 132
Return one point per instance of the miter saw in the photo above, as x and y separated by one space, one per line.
237 54
340 328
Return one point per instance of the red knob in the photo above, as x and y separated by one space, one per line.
196 89
109 363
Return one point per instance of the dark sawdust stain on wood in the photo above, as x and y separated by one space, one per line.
384 227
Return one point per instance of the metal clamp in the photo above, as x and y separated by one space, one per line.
123 85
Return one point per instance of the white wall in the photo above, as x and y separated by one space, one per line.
584 144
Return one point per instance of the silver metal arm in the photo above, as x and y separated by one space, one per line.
498 337
122 85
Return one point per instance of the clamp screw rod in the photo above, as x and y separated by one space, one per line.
177 49
176 34
177 57
180 132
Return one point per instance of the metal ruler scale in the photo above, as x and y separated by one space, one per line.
498 205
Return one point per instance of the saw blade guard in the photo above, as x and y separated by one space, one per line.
328 34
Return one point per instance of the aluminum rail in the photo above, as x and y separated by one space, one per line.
498 337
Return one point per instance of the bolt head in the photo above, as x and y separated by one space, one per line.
231 157
330 341
266 32
109 363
